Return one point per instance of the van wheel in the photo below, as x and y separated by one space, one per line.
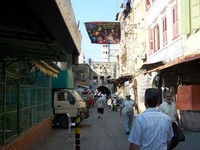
63 122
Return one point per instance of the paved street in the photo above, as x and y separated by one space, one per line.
103 134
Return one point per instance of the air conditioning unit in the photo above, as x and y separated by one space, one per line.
143 56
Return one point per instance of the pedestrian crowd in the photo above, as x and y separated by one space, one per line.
157 128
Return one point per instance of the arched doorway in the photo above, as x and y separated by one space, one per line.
104 90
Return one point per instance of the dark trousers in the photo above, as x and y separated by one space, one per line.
175 138
100 110
114 107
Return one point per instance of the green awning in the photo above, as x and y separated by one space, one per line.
64 80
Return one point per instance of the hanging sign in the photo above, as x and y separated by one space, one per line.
103 32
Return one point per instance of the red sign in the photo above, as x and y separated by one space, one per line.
103 32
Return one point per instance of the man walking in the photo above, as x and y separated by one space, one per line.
100 102
169 108
127 110
152 130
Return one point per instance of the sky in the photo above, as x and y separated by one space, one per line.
93 10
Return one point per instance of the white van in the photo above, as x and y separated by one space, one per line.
66 103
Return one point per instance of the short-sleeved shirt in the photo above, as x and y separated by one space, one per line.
100 102
151 130
169 109
127 106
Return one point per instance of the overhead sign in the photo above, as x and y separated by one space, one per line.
103 32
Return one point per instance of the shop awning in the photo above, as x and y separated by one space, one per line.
150 66
176 62
124 78
64 80
120 80
83 83
46 68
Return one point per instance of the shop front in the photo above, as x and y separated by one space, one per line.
182 77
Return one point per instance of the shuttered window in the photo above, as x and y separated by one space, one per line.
151 41
175 21
195 15
164 21
154 39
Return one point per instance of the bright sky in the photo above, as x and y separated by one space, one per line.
93 10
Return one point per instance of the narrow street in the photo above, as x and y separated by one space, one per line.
102 134
95 134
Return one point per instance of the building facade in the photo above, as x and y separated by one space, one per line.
132 53
30 43
173 32
159 47
103 72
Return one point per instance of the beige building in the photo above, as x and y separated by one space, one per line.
159 48
173 34
156 36
104 71
96 72
131 54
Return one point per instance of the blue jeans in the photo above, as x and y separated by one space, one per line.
128 120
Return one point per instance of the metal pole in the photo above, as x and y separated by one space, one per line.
70 124
77 133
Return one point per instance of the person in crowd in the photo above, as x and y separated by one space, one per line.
127 110
100 104
169 108
114 103
104 95
109 103
151 129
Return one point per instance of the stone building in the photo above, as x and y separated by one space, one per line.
104 71
159 48
131 54
176 23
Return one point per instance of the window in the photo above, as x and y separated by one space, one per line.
154 39
175 21
95 77
151 41
157 38
147 4
66 96
62 97
102 78
164 21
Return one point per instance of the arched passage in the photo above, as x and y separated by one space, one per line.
104 90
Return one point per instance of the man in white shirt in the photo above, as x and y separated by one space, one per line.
100 103
152 129
169 108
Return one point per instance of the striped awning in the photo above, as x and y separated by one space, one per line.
46 68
